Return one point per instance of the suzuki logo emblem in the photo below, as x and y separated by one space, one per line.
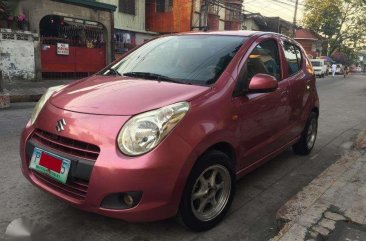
60 124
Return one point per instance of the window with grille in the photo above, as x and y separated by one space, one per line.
213 8
164 5
127 6
233 12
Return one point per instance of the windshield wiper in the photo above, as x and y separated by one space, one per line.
112 71
148 75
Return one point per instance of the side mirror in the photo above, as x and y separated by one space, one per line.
262 83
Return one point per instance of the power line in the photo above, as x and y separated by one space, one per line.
281 6
302 3
277 5
287 4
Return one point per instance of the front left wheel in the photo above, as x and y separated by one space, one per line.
209 192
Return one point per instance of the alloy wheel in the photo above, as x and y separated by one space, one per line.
211 192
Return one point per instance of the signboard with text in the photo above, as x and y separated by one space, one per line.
62 49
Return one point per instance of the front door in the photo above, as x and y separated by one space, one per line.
263 117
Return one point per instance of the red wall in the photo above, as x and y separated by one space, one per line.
232 25
177 20
213 22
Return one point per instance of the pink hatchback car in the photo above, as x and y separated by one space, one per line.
167 129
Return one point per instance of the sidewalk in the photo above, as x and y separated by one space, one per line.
332 206
30 91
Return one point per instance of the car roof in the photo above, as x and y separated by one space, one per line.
244 33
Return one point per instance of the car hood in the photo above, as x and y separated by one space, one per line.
105 95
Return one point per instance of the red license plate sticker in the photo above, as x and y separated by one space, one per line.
50 162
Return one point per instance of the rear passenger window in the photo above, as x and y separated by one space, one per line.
264 59
293 57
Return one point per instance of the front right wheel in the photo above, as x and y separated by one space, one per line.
209 192
308 136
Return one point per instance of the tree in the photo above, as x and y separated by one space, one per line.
341 22
346 56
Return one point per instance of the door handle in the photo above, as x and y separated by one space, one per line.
284 96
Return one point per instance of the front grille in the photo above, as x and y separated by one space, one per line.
66 145
73 188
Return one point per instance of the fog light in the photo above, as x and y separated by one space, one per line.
128 200
123 200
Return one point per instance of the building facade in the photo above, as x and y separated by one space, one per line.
310 41
129 25
172 16
67 34
168 16
258 22
254 22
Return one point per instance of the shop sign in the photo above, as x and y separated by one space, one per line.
62 49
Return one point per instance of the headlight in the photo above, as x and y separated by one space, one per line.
143 132
43 101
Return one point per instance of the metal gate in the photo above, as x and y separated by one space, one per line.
71 48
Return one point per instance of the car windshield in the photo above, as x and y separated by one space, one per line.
315 63
187 59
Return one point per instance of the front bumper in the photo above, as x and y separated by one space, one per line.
160 174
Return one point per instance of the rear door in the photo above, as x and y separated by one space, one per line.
300 82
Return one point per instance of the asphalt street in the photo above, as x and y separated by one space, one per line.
259 194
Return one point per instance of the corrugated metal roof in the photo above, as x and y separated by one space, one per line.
91 4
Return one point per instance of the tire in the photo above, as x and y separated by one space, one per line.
199 183
308 136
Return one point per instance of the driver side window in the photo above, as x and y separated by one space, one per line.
264 59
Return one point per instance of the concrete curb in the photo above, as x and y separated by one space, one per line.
288 215
31 91
298 204
25 98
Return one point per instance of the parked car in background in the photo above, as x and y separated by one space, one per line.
167 129
340 69
319 66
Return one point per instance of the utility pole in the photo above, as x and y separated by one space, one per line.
295 15
1 82
204 15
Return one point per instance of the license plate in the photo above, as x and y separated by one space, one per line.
50 164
